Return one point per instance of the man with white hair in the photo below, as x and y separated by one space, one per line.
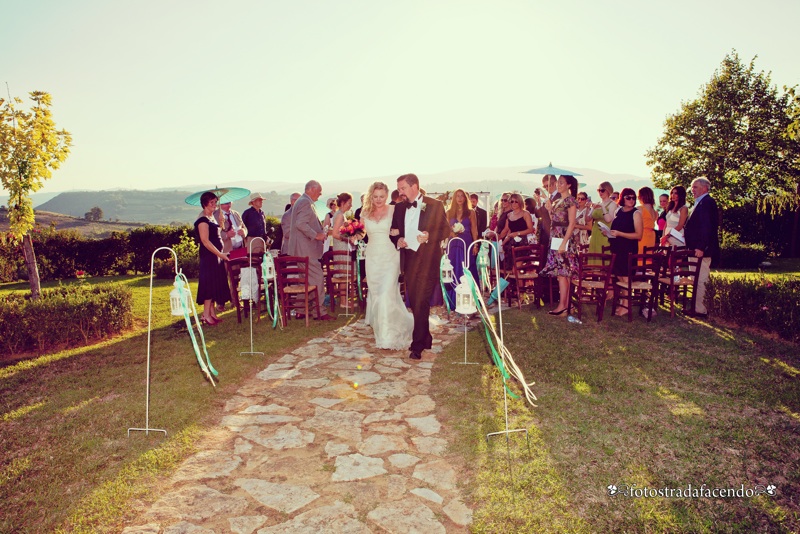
702 235
306 238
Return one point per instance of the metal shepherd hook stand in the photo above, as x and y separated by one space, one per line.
448 278
505 432
250 300
147 428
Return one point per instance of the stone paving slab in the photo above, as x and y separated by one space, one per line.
334 437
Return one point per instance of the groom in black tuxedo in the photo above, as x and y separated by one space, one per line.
418 226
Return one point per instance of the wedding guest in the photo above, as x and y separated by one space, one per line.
602 212
646 201
464 225
480 214
344 201
562 261
306 238
232 230
661 222
519 225
702 236
286 220
626 231
212 285
583 220
677 214
255 220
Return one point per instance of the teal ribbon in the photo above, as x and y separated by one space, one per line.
358 278
274 312
498 360
206 366
441 283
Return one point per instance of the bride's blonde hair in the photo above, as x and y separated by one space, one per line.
366 209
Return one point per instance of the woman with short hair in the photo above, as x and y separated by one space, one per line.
213 284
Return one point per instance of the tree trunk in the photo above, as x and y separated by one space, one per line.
30 264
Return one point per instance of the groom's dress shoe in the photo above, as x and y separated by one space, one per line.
415 356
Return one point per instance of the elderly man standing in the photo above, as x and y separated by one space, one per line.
232 230
306 237
702 235
256 222
286 222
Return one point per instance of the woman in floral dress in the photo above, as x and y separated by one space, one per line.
562 260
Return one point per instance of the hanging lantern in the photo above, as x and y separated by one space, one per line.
465 304
178 298
447 270
269 267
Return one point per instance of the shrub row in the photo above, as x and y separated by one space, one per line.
63 317
60 254
755 300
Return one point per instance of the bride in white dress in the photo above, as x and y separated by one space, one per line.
391 322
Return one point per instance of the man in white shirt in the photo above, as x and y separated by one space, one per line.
232 230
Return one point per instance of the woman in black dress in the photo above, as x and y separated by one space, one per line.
626 231
213 284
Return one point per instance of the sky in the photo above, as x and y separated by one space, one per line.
168 93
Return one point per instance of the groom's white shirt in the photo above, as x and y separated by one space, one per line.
412 224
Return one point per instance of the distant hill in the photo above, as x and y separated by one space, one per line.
95 230
167 206
154 207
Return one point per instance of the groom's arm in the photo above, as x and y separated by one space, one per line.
398 223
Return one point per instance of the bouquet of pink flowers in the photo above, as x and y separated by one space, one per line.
352 229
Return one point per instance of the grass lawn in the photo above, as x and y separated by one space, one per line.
65 458
660 405
780 267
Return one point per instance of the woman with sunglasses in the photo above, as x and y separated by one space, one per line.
519 223
562 260
603 212
583 220
626 231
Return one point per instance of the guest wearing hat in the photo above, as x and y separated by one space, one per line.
256 222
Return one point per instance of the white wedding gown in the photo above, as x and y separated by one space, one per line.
386 311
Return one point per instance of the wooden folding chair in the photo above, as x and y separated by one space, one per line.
679 280
294 290
526 262
592 283
340 279
641 286
234 270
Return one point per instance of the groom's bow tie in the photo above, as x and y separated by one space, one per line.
412 204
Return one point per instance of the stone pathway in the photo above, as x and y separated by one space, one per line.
336 437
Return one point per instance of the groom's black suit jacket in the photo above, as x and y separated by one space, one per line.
426 259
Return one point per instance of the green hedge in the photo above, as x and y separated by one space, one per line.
63 317
755 300
737 255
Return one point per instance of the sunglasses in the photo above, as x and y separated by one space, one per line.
503 200
629 197
601 190
581 198
514 201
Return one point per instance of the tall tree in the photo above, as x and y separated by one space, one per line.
30 149
734 134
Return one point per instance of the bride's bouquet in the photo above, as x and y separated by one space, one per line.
353 228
